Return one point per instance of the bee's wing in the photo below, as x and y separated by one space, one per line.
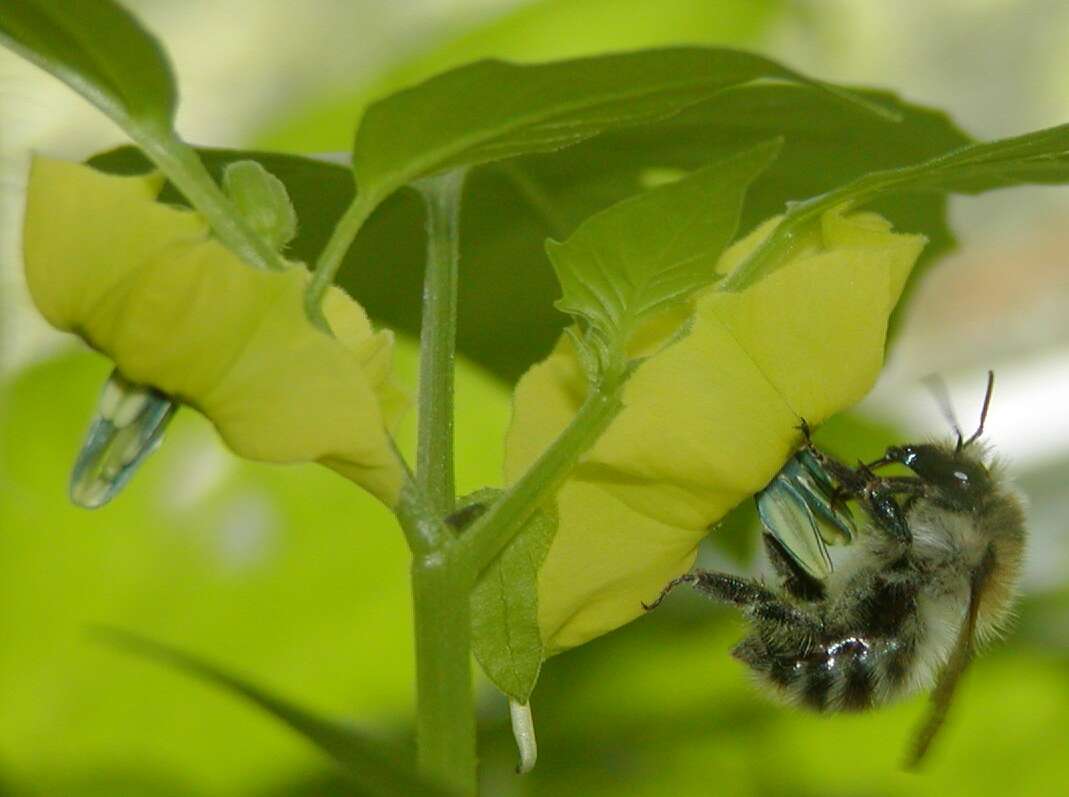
951 673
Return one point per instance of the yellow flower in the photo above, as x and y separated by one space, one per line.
146 285
708 418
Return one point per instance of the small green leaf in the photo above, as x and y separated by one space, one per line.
1040 158
99 50
376 766
493 110
631 260
504 605
262 199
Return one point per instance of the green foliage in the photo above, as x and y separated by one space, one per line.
635 258
101 51
493 110
1040 158
613 152
506 638
507 319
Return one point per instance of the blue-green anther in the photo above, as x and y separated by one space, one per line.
128 426
799 510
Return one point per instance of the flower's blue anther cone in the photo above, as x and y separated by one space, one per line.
129 426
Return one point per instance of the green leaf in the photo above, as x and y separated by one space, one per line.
262 199
533 31
504 605
493 110
372 764
1040 158
631 260
99 50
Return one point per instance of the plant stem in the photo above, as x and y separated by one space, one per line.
481 544
438 332
441 594
330 259
181 165
441 580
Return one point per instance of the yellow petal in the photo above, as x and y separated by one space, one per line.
708 419
146 285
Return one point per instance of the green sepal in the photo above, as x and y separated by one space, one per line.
263 200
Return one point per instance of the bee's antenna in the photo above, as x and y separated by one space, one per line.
983 413
938 388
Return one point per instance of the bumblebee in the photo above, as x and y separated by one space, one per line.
931 576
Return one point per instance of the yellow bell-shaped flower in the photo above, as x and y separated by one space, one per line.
146 285
709 417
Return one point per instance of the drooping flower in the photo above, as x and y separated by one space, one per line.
708 418
147 286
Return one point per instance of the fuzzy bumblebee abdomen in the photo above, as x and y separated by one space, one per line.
845 673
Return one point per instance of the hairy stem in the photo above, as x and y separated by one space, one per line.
438 332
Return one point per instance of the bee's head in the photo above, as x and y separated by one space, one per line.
958 474
956 470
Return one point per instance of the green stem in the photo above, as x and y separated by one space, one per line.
438 332
180 163
330 259
481 544
441 594
441 580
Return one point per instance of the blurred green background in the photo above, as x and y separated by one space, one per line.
292 578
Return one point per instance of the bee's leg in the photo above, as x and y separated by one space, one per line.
781 630
686 578
876 494
912 486
796 581
754 598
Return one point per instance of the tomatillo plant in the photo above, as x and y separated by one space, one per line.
699 337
